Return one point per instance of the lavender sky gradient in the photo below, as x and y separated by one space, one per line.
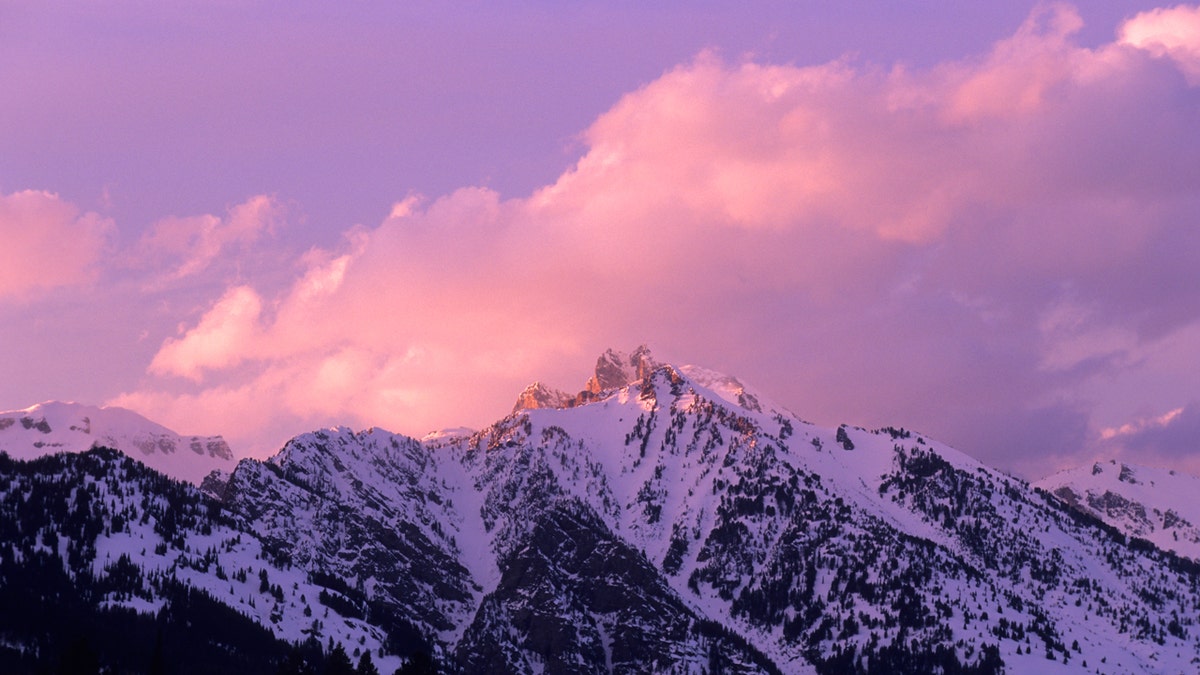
978 219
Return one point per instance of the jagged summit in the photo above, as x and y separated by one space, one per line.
538 395
614 370
59 426
617 369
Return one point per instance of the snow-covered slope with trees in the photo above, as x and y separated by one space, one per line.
57 426
663 519
1159 505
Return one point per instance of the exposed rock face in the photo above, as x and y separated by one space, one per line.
538 395
618 369
361 507
575 598
1127 475
614 370
1116 507
1158 505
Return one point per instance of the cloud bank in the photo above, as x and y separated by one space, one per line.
977 249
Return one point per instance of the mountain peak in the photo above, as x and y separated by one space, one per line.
613 371
1150 503
538 395
618 369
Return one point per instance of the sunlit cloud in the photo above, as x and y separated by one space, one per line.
930 247
1173 32
1141 425
224 337
1168 439
188 245
48 243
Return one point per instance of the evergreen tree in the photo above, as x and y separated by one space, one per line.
419 663
366 666
337 662
294 664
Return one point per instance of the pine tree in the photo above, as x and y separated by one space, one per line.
366 666
337 662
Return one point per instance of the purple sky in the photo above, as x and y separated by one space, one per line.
973 219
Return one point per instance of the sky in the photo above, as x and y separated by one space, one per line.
976 220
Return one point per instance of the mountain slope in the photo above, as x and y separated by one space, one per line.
56 426
663 519
103 556
842 546
1158 505
825 549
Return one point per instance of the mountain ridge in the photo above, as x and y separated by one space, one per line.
677 522
1154 504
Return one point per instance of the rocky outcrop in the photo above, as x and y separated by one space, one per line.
538 395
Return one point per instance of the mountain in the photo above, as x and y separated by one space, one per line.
663 519
613 370
109 563
538 395
1159 505
56 426
617 369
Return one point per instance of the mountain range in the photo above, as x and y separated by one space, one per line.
661 519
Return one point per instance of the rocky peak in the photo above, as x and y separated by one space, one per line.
617 369
1155 504
1127 475
538 395
614 370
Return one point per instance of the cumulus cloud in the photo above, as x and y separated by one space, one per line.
960 249
1173 32
48 243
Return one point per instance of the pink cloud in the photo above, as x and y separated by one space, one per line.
189 245
48 243
1021 74
1173 32
1166 439
224 337
933 248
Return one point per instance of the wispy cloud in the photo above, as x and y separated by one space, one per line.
1170 439
185 246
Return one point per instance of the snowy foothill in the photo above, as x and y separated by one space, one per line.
57 426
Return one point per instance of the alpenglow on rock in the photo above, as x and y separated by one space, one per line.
538 395
618 369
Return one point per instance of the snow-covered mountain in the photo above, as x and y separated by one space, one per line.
57 426
1161 506
663 519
